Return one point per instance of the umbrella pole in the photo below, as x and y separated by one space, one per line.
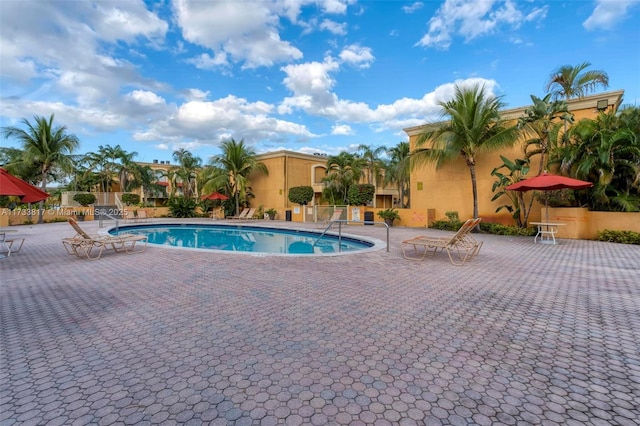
546 205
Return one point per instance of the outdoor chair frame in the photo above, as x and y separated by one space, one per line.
92 246
462 244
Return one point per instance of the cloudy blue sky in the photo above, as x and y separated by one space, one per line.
303 75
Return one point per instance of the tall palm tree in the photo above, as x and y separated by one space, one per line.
398 171
343 170
106 163
374 163
45 146
186 171
541 123
126 171
238 162
474 126
574 82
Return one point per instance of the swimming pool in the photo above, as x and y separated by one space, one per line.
249 239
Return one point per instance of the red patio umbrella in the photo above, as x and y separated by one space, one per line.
548 182
214 196
11 185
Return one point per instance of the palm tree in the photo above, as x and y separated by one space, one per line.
106 163
186 172
238 163
343 170
539 122
474 127
374 164
574 82
397 170
126 171
45 146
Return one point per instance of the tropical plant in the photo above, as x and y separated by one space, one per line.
605 151
145 178
343 170
84 199
398 172
389 215
575 81
474 126
300 194
45 148
373 164
129 198
182 207
360 194
106 164
185 173
271 213
516 204
233 169
541 124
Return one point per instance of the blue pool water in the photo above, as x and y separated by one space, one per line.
250 239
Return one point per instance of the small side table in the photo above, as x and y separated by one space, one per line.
546 232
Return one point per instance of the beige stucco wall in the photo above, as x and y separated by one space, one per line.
580 223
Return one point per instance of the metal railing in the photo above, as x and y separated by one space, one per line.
101 220
341 221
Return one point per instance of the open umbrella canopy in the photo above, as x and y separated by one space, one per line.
549 182
214 196
11 185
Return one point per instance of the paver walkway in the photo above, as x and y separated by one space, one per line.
524 334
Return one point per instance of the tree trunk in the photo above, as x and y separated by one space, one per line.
474 187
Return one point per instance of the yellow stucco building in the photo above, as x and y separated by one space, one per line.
449 188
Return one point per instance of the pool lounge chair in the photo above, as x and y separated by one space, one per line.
249 215
464 245
92 246
241 215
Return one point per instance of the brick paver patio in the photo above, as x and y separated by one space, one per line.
524 334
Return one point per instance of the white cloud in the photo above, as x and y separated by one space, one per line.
338 7
471 19
312 87
607 13
127 21
342 129
413 7
333 27
311 78
145 98
357 55
247 31
208 62
209 122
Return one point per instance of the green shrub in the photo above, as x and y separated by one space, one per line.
499 229
301 194
130 198
622 237
84 199
452 216
446 225
182 207
360 194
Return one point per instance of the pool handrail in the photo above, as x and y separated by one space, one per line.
341 221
